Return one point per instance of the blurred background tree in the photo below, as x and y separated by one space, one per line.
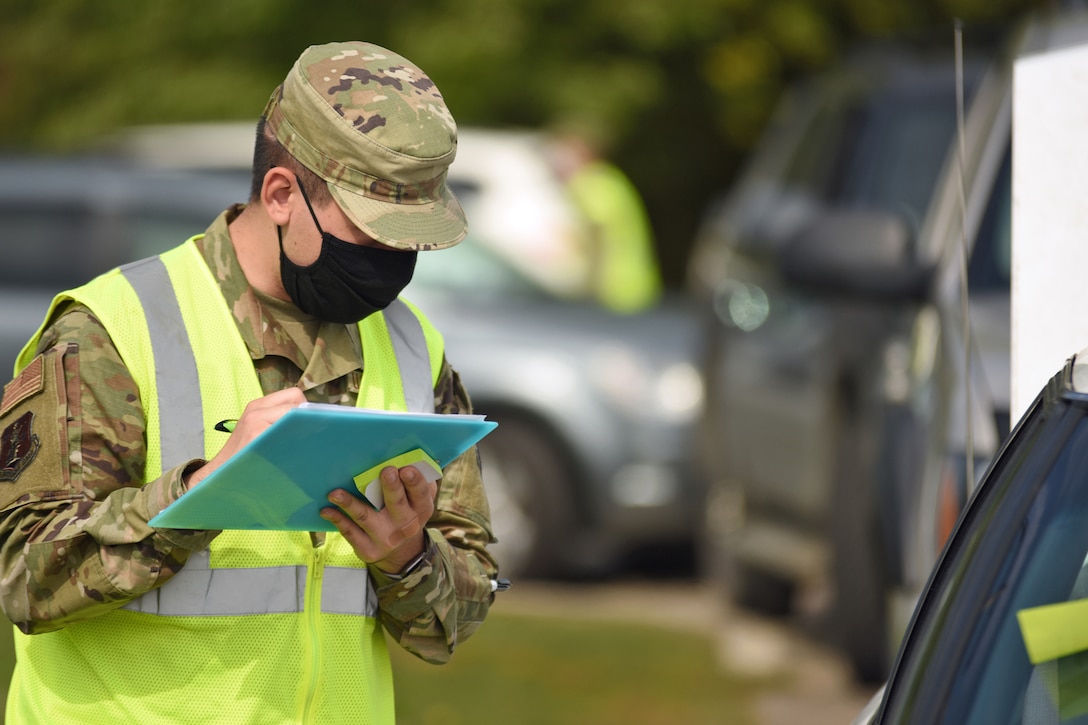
675 92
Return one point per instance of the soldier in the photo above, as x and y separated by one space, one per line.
111 417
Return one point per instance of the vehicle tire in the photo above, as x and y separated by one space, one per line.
527 481
860 617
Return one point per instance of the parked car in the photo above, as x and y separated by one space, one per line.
795 271
921 440
997 636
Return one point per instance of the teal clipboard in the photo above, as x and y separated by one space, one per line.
281 479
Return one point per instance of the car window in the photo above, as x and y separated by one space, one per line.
879 148
900 142
1043 567
1022 545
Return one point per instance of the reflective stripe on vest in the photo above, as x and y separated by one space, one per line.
198 589
410 346
182 434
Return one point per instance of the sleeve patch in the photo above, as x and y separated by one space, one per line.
27 383
18 447
33 442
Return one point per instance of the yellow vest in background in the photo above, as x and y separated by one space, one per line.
623 265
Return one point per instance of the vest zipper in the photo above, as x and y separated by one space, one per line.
313 625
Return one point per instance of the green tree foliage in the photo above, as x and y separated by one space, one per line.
675 90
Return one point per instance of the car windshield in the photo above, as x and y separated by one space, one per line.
1013 582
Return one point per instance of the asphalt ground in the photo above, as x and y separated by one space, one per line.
817 687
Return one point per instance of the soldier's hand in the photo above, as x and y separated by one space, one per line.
393 536
258 415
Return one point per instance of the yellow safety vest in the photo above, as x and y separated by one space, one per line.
262 627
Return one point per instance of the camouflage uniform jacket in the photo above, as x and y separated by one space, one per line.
73 512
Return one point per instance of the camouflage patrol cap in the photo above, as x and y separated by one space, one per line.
375 127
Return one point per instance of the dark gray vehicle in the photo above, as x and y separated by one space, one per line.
941 383
998 637
803 274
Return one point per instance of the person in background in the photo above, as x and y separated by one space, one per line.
623 268
291 297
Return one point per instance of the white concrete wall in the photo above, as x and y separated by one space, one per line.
1049 218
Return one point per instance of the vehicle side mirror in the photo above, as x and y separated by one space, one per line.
863 253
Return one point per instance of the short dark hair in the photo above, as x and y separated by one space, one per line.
268 153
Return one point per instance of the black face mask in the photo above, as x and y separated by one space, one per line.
347 282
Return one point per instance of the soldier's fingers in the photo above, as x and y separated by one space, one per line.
285 395
407 486
357 537
373 535
379 526
264 411
396 500
420 492
406 500
258 415
280 400
360 512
